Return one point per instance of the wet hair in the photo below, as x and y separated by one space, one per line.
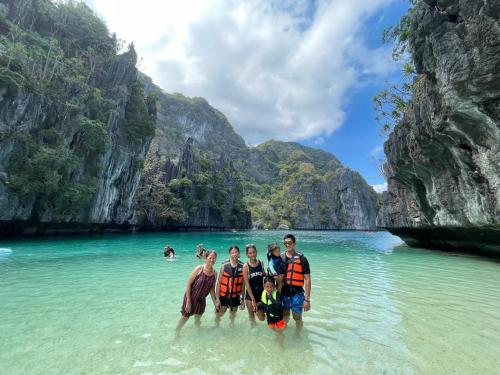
210 252
234 247
290 236
269 279
250 246
200 245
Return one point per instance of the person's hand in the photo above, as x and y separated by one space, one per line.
307 305
188 307
217 305
254 305
242 304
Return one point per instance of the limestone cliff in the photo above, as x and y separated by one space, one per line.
443 159
192 192
306 188
74 124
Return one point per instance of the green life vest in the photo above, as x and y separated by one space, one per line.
273 305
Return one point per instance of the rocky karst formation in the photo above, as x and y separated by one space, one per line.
443 159
77 151
74 124
284 183
190 192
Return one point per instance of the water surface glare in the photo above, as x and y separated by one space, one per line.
109 305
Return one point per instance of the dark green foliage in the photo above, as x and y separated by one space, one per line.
46 173
93 138
156 204
61 56
390 104
400 33
139 124
297 170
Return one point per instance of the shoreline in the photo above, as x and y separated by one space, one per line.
21 229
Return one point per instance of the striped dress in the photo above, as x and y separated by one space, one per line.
200 289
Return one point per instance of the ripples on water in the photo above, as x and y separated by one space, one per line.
110 304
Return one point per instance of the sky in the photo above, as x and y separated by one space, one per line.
290 70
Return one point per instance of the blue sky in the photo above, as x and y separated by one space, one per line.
358 143
291 70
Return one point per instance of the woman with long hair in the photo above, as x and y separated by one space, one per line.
200 284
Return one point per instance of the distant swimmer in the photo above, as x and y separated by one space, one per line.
169 252
201 253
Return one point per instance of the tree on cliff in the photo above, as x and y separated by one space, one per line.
390 103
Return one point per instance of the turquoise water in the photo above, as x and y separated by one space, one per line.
109 305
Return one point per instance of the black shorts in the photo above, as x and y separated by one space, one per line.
232 303
256 294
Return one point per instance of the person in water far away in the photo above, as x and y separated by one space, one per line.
168 252
201 252
271 304
230 287
297 277
200 283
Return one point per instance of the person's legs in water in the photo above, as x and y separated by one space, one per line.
219 314
279 337
251 313
298 322
197 321
297 302
232 316
180 324
286 316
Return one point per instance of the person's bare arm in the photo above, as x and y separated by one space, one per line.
307 301
217 292
242 305
246 278
212 293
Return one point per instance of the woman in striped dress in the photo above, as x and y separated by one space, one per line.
200 283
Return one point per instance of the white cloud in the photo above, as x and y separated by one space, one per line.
380 188
277 69
376 152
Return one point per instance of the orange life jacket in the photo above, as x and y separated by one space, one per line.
231 284
294 274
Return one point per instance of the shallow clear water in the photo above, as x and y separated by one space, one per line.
110 304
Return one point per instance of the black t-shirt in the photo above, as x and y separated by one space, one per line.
291 290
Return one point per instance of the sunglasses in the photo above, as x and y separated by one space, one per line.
288 242
249 245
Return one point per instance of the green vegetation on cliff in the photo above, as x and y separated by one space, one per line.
59 91
196 191
282 182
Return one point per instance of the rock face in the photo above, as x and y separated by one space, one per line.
70 149
283 182
443 159
180 118
306 188
202 193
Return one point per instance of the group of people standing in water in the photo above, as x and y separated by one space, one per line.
273 292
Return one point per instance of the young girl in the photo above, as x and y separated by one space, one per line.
271 304
253 275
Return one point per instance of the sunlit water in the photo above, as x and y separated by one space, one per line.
109 305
